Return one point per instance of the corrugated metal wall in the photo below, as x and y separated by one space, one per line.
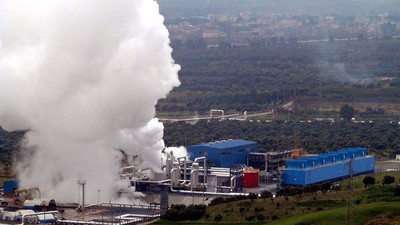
328 167
223 154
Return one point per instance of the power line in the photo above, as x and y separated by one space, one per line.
350 200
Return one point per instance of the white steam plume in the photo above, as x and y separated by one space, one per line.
178 151
83 77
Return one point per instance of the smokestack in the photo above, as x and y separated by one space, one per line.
84 78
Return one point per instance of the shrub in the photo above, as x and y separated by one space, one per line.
181 212
260 217
315 188
396 191
253 196
325 187
256 209
221 200
368 181
266 194
274 217
388 180
207 216
249 218
217 201
218 218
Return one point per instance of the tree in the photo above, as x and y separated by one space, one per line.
315 188
326 187
388 180
253 196
368 181
347 112
397 191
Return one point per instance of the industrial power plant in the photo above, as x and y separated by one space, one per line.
220 168
237 167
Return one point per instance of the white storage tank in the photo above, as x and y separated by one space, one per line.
46 218
175 175
169 164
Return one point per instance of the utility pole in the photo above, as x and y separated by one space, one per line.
98 196
82 184
350 200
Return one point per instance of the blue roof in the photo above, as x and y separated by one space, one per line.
226 144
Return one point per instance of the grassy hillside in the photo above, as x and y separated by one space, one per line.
363 214
378 203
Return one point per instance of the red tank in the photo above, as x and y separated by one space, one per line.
250 178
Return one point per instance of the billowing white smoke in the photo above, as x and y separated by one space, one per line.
83 77
178 151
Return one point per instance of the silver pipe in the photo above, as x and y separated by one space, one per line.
191 176
233 182
207 193
184 167
204 167
147 168
216 110
173 170
123 169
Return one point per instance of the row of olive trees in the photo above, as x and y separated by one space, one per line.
370 180
313 188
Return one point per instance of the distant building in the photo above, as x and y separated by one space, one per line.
211 34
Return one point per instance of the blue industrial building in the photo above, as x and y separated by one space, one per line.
331 166
10 186
223 153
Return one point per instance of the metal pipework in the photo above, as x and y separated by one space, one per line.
173 177
123 169
204 167
207 193
233 182
184 167
216 110
147 168
193 178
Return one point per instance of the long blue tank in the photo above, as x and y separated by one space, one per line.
332 166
